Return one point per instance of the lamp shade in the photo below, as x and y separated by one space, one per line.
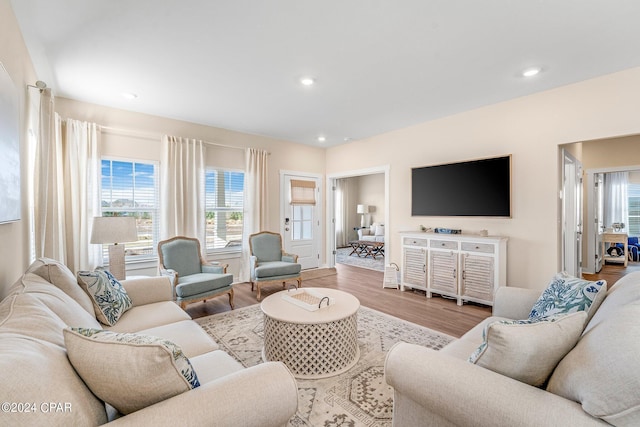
114 229
362 209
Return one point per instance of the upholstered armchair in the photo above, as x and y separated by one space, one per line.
375 233
634 249
193 278
269 263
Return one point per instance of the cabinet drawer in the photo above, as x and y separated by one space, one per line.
478 247
444 244
410 241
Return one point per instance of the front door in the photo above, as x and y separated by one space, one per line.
300 227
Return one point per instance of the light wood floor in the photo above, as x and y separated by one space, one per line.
436 313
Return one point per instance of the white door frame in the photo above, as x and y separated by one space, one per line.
284 204
572 217
330 213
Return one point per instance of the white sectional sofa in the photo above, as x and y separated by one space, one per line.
41 386
596 383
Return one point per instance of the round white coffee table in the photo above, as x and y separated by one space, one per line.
313 344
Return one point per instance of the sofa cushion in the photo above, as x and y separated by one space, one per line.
602 372
568 294
528 350
129 371
149 316
35 368
64 306
59 275
109 298
187 335
213 365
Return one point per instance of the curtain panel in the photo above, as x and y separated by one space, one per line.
182 191
255 202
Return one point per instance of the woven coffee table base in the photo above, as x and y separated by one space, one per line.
317 350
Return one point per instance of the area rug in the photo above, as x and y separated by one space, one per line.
358 397
343 257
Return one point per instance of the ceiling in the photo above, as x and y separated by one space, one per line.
378 65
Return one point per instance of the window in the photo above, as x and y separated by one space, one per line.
130 188
634 209
224 196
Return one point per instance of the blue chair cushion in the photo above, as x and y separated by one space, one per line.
201 283
276 268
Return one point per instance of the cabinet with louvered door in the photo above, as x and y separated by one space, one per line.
414 268
477 281
443 273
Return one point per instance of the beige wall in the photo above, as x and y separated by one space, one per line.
531 129
137 136
611 153
371 193
14 255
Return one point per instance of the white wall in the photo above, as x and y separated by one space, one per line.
531 129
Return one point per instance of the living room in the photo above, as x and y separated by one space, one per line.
531 127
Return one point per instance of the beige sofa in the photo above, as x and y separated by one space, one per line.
596 383
40 386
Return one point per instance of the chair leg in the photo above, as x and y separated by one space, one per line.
231 299
183 305
299 280
258 286
252 286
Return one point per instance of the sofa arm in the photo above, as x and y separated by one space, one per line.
429 385
148 290
514 303
263 395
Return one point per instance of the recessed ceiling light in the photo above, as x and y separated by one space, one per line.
307 81
321 139
530 72
129 95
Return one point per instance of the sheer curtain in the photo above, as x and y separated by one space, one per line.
182 198
255 216
616 198
65 188
82 198
48 185
342 195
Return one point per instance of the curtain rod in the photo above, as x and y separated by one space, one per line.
157 136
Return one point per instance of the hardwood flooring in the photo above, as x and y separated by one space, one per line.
613 272
436 313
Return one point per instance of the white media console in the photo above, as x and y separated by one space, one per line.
465 267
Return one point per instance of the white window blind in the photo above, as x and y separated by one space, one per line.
634 209
224 198
303 192
130 188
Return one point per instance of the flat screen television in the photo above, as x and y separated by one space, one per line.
472 188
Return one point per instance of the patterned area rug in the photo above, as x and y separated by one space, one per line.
358 397
343 257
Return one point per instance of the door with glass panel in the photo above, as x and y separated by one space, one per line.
300 218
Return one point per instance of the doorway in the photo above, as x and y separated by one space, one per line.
571 214
358 199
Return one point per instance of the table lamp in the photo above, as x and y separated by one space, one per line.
114 230
362 209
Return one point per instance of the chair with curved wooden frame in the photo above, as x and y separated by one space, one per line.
193 278
269 263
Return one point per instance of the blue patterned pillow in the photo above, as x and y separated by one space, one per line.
109 298
129 371
567 294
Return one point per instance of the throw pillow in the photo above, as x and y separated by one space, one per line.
528 350
109 298
129 371
568 294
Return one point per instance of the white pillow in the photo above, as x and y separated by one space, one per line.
110 299
379 230
528 350
129 371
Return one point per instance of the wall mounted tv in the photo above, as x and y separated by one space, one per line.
472 188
